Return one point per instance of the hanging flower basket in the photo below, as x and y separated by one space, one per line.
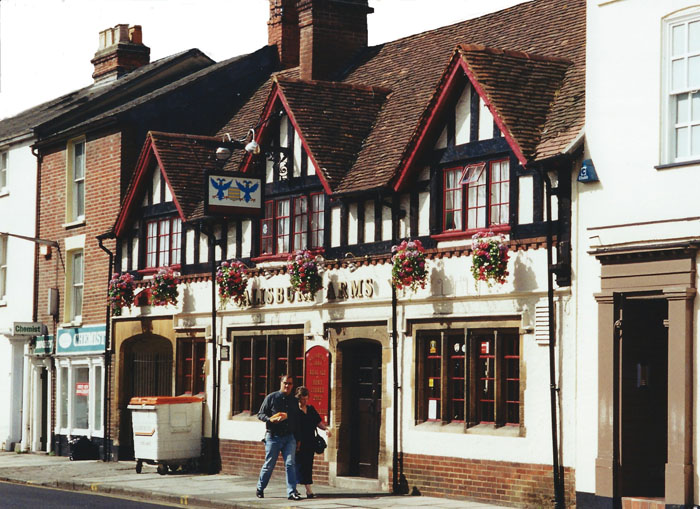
305 273
164 288
120 293
232 280
408 269
489 258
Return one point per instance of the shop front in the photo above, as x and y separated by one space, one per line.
80 378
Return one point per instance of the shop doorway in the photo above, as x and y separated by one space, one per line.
362 403
643 395
146 370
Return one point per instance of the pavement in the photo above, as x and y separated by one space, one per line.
195 490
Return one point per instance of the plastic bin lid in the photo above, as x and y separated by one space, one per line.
164 400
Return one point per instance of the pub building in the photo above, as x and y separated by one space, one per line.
434 137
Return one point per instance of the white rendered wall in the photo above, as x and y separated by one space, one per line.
634 203
18 216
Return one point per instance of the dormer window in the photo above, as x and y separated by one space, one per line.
481 202
163 242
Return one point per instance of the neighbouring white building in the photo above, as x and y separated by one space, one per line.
23 379
637 238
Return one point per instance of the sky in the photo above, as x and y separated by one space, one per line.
46 45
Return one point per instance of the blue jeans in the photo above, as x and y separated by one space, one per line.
286 444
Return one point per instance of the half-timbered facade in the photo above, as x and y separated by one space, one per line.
434 137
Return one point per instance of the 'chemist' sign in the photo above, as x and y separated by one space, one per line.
81 340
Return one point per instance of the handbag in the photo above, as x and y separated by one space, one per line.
319 443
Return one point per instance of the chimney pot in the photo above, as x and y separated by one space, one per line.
120 50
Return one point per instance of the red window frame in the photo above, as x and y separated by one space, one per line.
300 226
316 218
301 223
267 233
480 205
283 225
163 242
470 376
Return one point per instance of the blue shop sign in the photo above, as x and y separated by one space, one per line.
79 340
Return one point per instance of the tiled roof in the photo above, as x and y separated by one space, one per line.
250 116
334 119
84 100
520 88
412 68
540 47
184 159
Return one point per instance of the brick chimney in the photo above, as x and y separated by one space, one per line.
283 31
120 51
331 32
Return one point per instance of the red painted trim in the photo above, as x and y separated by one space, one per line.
452 69
267 110
499 121
147 153
456 64
452 235
172 192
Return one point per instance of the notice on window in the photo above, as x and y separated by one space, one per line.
82 389
432 409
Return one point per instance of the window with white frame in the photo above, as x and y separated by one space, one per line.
3 171
3 267
75 204
74 286
80 383
682 84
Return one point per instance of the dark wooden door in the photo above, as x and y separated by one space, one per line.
366 383
643 397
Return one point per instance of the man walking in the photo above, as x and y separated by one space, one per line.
280 411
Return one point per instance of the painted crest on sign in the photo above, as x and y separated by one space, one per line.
233 194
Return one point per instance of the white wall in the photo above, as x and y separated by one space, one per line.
17 215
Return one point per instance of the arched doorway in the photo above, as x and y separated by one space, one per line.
361 406
146 370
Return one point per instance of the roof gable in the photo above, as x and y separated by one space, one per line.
518 89
332 120
183 160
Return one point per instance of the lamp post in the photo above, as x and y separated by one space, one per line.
222 153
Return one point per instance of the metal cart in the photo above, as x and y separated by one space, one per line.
167 432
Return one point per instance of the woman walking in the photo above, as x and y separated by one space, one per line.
309 420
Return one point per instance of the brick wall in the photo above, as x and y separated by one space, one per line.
102 199
245 458
499 482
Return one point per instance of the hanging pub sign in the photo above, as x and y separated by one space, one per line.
318 380
232 194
